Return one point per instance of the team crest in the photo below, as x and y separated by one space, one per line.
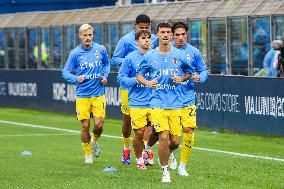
175 60
97 54
188 58
157 125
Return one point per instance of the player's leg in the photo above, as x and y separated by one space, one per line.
160 123
126 127
147 132
98 111
138 121
174 144
175 133
189 124
83 115
149 139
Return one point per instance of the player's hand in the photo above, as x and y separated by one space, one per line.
176 79
153 83
81 78
103 80
196 77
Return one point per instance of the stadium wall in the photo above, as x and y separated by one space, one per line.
237 103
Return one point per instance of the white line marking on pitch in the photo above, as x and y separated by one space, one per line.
28 135
110 136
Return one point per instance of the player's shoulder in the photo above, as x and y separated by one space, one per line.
132 54
127 37
99 47
153 36
76 50
150 53
193 49
178 52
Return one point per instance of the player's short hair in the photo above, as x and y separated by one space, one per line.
84 28
142 32
164 25
177 25
142 18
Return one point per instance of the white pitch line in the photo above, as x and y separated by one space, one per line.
110 136
29 135
239 154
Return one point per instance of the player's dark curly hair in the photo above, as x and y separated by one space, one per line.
142 32
142 18
164 25
177 25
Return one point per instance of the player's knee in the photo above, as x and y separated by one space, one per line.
163 138
175 142
139 132
85 125
188 130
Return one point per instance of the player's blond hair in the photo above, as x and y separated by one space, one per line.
84 28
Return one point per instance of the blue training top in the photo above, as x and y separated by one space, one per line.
92 63
138 94
126 45
163 67
199 66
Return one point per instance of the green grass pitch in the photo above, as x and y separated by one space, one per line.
57 158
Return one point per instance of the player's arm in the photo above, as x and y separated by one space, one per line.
201 71
144 68
124 74
106 66
178 79
69 67
119 53
187 68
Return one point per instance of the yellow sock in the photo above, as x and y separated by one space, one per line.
95 137
87 148
145 142
126 142
186 147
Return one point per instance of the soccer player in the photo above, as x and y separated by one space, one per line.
180 31
90 62
138 94
126 45
168 67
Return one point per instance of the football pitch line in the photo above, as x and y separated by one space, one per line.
29 135
118 137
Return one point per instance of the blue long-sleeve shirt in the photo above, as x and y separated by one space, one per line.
163 67
92 63
126 45
270 62
199 66
138 94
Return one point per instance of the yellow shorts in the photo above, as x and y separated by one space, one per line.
87 106
188 116
124 102
139 117
166 120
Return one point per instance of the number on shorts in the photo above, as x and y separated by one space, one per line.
192 112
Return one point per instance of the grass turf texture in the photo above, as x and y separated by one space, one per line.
57 160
